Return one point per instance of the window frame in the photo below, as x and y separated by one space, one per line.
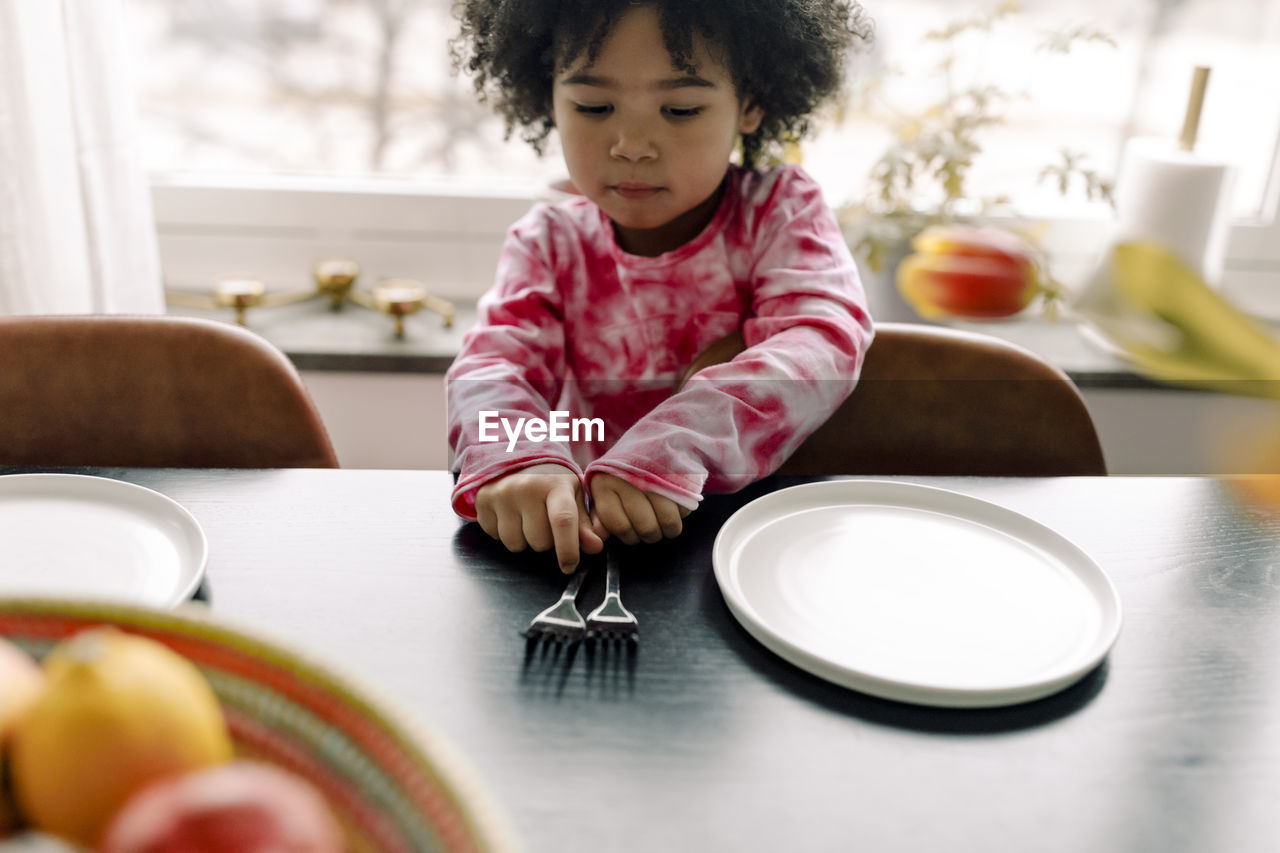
448 236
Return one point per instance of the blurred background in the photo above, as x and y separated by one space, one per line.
364 89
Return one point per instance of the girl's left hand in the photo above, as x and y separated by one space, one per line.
633 515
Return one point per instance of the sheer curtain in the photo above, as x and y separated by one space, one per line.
77 234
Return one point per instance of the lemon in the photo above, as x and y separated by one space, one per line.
118 711
20 681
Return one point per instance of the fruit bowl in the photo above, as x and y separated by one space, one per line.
392 784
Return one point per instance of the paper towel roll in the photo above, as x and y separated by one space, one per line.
1178 198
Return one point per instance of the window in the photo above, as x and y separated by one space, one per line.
328 88
280 131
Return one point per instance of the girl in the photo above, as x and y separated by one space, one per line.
603 301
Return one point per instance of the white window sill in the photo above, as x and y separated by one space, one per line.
449 236
356 340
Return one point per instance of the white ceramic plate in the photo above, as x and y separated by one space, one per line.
67 535
915 593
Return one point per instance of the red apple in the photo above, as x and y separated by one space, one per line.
240 807
963 271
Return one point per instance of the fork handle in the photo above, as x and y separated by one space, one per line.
575 583
612 586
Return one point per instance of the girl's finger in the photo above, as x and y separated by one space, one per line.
487 519
511 530
590 539
612 516
667 512
643 519
535 524
598 528
563 514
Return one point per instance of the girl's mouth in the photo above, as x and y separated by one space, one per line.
636 192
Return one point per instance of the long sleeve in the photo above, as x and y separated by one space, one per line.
807 332
511 365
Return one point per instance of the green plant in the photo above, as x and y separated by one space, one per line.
922 178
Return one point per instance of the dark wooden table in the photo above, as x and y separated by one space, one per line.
704 740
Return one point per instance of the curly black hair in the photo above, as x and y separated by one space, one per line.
786 55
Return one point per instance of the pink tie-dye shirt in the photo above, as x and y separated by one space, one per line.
575 324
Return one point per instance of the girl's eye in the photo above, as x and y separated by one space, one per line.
593 110
682 112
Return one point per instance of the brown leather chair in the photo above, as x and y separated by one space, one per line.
937 401
151 392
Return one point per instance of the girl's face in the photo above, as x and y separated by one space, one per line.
646 141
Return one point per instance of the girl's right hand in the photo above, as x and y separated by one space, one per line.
540 507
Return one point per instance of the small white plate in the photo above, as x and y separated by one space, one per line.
72 536
915 593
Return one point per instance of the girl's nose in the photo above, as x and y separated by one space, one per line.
633 145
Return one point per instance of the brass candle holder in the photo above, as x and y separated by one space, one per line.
238 293
399 298
335 277
335 280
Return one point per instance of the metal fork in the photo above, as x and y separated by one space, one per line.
611 619
561 623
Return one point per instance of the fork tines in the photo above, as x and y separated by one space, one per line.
556 631
561 623
600 629
611 620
